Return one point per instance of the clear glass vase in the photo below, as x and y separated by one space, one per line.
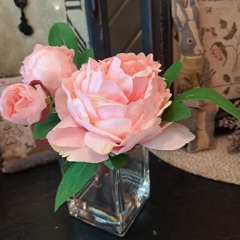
112 198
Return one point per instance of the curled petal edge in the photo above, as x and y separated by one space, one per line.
172 137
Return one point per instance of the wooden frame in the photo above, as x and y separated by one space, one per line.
162 32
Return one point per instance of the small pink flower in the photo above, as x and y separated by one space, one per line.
112 105
49 65
23 104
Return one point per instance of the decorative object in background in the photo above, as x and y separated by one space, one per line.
215 164
18 149
195 74
205 128
19 45
102 112
219 27
234 125
220 41
23 26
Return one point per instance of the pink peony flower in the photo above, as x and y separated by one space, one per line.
22 104
49 65
112 105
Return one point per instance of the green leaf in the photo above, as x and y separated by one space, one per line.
176 111
210 95
172 72
109 164
74 180
118 161
41 129
66 166
83 57
77 60
61 34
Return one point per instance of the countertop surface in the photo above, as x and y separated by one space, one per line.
181 206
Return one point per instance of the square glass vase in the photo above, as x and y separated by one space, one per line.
111 199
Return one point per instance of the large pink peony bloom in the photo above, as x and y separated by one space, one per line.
112 105
22 104
49 65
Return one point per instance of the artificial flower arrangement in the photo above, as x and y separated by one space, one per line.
98 111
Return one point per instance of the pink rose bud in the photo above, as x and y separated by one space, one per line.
49 65
23 104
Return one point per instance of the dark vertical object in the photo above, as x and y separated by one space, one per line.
162 32
23 26
97 18
145 7
105 28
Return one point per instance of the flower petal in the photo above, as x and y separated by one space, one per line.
111 110
98 131
80 109
134 111
110 91
38 106
116 126
61 103
67 134
139 88
116 74
99 144
131 140
94 82
85 154
173 137
89 107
